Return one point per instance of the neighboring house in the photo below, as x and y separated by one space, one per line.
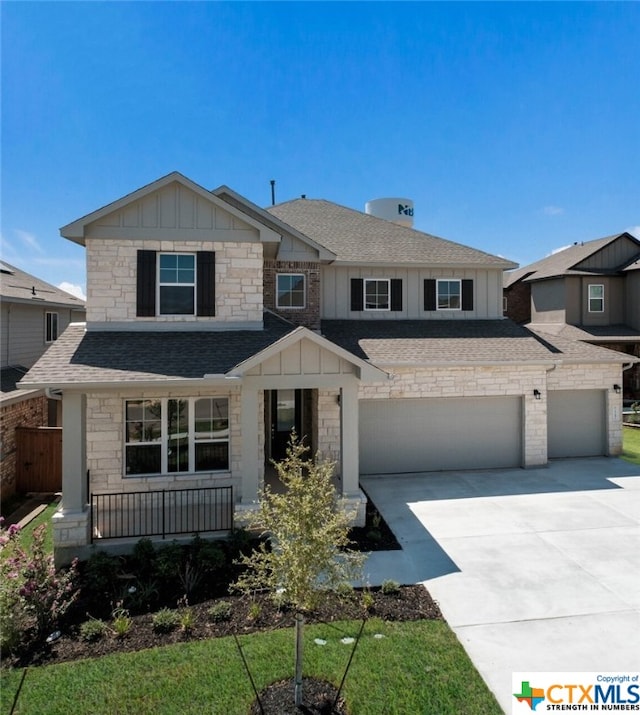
32 316
215 327
588 292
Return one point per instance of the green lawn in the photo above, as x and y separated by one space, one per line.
417 667
631 444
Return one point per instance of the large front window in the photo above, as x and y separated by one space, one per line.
596 298
449 292
168 436
176 283
376 293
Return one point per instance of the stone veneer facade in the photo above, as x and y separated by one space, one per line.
111 280
309 316
105 445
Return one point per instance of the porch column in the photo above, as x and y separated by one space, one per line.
250 443
349 447
71 532
74 453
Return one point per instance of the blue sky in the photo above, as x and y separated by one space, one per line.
513 126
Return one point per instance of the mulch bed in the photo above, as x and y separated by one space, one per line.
247 615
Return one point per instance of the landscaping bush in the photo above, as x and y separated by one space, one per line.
34 596
93 630
165 620
220 611
390 587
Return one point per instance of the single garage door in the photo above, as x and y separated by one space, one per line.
418 435
576 423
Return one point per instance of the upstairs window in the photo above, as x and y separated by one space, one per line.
290 290
376 293
173 436
449 294
177 283
50 327
596 298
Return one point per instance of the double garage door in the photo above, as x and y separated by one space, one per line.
419 435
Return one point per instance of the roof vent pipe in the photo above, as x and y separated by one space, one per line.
273 192
396 210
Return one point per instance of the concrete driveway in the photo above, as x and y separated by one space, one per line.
535 570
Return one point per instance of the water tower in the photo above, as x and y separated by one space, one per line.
396 210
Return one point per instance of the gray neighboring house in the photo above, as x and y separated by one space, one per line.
588 292
215 327
33 314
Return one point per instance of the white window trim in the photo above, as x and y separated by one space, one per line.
589 298
304 292
164 437
47 338
448 280
364 294
193 285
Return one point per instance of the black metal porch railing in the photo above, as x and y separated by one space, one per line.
161 513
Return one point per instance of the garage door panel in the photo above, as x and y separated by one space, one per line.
415 435
576 423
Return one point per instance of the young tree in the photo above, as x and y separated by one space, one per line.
307 529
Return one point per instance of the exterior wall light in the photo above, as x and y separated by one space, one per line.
536 394
617 389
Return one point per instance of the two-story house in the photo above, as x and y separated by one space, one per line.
33 314
587 292
215 327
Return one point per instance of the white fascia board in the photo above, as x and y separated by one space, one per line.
502 266
206 381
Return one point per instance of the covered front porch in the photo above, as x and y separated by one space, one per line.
301 382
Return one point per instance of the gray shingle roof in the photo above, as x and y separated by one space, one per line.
9 376
593 334
560 263
79 356
360 238
416 342
19 285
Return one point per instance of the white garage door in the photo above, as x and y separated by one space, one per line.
417 435
576 423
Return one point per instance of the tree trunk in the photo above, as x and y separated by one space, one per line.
297 692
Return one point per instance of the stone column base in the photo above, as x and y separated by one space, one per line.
71 536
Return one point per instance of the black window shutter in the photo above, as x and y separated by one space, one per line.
206 298
429 294
396 294
357 294
467 295
146 284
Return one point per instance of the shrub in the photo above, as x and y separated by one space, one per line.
165 620
367 600
33 594
255 609
220 611
121 622
390 587
101 576
92 630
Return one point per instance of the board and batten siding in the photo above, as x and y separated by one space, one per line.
336 293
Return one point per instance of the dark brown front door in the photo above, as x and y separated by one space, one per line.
286 413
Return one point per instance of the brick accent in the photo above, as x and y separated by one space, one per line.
32 412
310 315
519 302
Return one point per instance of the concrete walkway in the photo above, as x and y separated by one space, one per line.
535 570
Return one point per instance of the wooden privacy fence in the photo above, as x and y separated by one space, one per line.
38 459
